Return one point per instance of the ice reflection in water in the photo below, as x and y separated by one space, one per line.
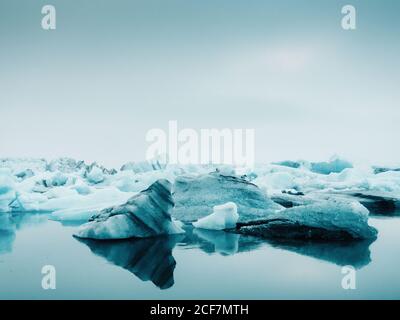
152 258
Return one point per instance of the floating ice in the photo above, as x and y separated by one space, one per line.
143 166
71 201
7 190
146 214
223 217
334 165
195 197
325 220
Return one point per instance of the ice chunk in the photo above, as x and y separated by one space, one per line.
195 197
66 165
378 203
289 163
17 165
223 217
82 188
7 190
143 166
146 214
24 174
378 170
58 179
95 175
103 198
334 165
275 182
77 214
325 220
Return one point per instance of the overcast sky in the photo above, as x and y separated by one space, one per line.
112 70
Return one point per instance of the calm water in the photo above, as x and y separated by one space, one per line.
198 265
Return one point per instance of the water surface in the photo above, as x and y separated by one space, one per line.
198 265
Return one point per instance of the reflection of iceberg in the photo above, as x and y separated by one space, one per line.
226 243
355 253
7 233
9 224
148 259
7 239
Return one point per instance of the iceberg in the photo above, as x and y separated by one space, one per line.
58 179
224 216
7 190
289 163
325 220
95 175
195 197
143 166
66 165
378 203
335 165
24 174
17 165
146 214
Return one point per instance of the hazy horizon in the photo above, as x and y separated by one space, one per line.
113 70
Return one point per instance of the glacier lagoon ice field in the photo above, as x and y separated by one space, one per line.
292 226
198 265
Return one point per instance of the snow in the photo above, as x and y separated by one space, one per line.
224 216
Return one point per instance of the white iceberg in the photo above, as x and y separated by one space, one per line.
224 216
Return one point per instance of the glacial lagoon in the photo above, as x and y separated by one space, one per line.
199 264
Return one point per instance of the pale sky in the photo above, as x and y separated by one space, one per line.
112 70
